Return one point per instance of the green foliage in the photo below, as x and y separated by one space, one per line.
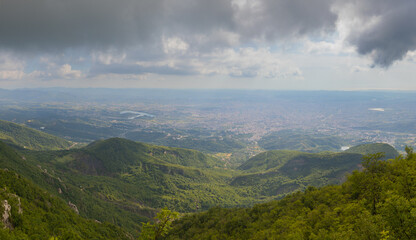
30 138
378 202
301 141
373 148
161 226
35 214
279 172
123 182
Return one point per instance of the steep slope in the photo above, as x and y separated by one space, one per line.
279 172
29 212
268 160
371 148
29 138
376 203
35 166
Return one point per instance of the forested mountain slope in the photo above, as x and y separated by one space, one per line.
378 202
29 138
28 212
279 172
371 148
124 182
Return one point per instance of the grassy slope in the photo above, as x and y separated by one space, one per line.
29 138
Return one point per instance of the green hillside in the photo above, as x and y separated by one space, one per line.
279 172
372 148
268 160
29 138
124 182
125 153
29 212
300 141
34 166
375 203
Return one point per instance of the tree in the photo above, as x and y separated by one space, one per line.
160 227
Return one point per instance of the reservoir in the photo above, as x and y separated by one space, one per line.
137 114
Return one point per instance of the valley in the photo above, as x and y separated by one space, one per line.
227 150
124 183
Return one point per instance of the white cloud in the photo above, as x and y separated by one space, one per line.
11 75
411 56
66 71
242 63
11 68
359 68
174 45
108 57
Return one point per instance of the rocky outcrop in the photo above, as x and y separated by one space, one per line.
6 208
73 207
6 214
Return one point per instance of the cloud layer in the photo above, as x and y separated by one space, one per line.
191 37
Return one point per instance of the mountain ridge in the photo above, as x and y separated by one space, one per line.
29 138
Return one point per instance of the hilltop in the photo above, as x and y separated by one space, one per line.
371 148
28 138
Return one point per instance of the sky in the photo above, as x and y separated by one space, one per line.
231 44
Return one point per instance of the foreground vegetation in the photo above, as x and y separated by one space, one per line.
28 212
378 202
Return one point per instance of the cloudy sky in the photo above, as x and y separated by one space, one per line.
258 44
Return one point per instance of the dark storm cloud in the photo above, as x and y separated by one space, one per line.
56 25
392 34
199 16
281 19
